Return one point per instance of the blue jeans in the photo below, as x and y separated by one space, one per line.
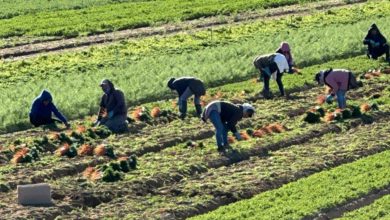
183 100
341 100
221 131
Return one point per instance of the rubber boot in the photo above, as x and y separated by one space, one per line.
198 110
183 109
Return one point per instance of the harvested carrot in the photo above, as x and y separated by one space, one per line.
321 99
155 112
85 150
100 150
365 107
19 155
63 150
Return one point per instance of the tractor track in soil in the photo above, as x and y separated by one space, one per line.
221 197
24 51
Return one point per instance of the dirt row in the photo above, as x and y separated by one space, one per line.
144 187
215 188
129 145
38 47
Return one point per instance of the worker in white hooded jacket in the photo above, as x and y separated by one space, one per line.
272 65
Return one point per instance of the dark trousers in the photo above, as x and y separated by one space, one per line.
376 52
42 121
266 79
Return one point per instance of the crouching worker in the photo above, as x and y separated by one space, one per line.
376 43
224 116
272 65
339 81
186 87
113 111
42 109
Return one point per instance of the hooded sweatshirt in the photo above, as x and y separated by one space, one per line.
41 111
182 83
113 101
269 60
285 50
378 38
230 113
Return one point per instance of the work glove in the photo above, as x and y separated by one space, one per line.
110 114
67 125
329 99
96 123
238 136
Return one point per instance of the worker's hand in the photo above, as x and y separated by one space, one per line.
67 125
96 123
110 114
238 136
329 99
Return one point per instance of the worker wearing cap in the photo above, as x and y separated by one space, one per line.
340 81
113 111
224 116
186 87
272 65
42 109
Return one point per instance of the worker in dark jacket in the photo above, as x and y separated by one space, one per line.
224 116
286 51
376 42
340 81
272 65
186 87
113 111
42 109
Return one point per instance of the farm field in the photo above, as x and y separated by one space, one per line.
129 63
288 166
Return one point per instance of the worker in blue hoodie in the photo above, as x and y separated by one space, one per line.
42 109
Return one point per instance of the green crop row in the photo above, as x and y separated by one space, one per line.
262 36
380 209
12 8
76 91
310 195
78 95
112 17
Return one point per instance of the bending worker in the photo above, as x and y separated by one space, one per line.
186 87
272 65
224 116
340 81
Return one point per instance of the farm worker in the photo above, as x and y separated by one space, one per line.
340 81
272 65
285 50
224 116
186 87
42 109
113 111
376 42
